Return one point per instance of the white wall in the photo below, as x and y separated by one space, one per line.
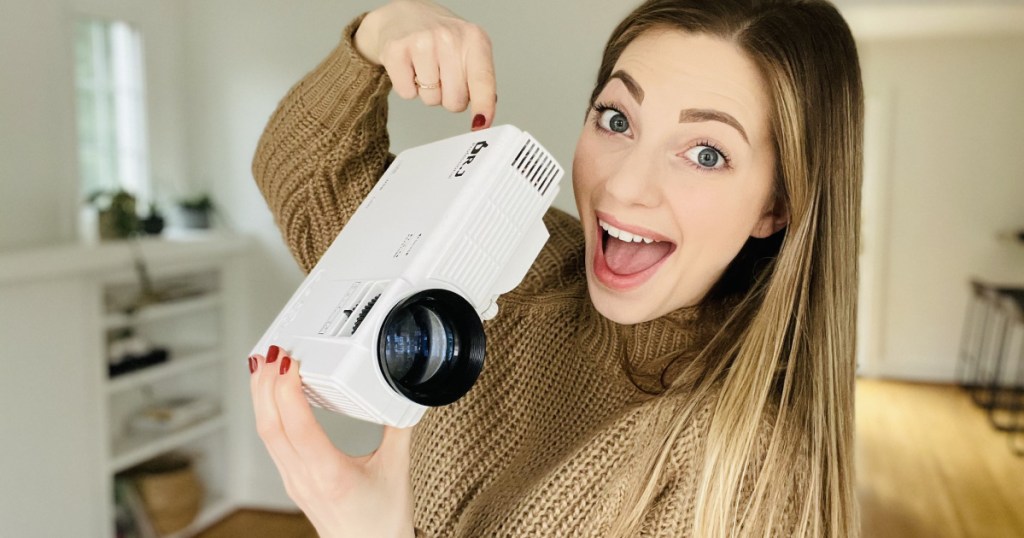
36 123
953 177
38 157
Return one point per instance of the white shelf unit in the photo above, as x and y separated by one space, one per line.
69 438
189 324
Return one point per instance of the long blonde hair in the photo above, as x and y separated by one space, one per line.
784 354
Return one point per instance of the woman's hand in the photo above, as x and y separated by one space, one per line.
342 496
430 52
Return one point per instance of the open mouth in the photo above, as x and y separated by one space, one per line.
626 258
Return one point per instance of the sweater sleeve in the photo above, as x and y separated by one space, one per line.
324 148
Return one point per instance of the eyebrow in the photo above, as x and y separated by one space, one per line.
632 87
687 115
696 115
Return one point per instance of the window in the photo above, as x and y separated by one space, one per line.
110 95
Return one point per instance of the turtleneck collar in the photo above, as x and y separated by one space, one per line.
647 347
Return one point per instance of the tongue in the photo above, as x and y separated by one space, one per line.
628 258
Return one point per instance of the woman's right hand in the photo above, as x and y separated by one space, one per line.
430 52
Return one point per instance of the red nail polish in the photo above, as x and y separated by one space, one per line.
478 121
286 363
252 365
272 354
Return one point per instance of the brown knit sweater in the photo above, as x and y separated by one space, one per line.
546 441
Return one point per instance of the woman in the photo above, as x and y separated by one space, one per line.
677 362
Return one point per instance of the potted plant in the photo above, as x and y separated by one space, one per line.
195 211
116 213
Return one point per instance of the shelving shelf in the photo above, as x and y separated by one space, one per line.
133 449
162 311
176 365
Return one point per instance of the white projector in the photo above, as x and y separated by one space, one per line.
388 322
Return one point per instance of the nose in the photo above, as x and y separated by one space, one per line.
632 179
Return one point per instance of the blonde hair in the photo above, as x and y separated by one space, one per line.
784 353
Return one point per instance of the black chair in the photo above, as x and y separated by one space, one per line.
972 340
990 366
1006 386
1007 413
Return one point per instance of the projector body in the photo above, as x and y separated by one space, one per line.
458 220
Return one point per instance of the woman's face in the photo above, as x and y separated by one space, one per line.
672 173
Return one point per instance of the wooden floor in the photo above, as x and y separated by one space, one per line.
929 465
260 524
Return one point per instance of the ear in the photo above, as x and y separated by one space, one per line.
773 220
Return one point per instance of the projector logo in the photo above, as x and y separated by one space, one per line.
477 148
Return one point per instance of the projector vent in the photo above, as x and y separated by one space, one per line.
536 165
325 397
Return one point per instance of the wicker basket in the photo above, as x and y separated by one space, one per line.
171 492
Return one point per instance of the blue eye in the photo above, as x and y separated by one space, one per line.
706 157
612 120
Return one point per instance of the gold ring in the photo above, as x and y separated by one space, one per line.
434 86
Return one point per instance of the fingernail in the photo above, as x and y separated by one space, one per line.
478 121
272 354
252 365
286 363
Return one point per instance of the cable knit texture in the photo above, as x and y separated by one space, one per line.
545 443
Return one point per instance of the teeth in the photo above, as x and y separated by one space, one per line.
623 235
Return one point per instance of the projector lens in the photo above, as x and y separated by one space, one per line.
418 343
431 347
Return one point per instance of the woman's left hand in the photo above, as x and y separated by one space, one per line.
341 495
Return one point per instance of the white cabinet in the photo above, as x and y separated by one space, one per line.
66 420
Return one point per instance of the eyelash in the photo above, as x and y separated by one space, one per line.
601 107
710 144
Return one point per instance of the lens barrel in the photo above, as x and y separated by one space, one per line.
431 347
